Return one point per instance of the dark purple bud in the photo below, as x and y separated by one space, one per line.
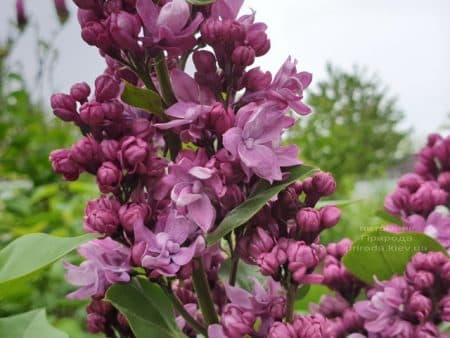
109 178
61 10
282 330
86 153
221 119
310 326
430 261
236 322
113 110
106 88
419 306
324 183
92 114
308 219
134 213
62 164
101 216
339 249
64 106
412 182
109 150
329 216
124 29
96 323
80 91
255 79
21 15
96 34
259 42
204 61
133 151
85 15
398 201
243 56
423 280
444 181
86 4
444 308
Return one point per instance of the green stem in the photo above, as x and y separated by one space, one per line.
203 292
234 269
192 322
162 72
291 296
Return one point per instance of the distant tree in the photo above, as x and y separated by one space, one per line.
354 130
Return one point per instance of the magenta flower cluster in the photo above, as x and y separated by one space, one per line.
174 159
421 199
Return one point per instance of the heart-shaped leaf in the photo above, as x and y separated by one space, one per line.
146 307
31 253
31 324
251 206
144 99
382 254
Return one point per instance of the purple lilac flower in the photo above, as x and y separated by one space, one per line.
165 250
107 262
256 141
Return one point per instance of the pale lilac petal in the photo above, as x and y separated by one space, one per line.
184 86
287 156
148 12
216 331
262 160
231 139
202 213
226 9
299 107
239 297
174 15
201 172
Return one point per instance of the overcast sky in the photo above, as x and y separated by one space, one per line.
405 42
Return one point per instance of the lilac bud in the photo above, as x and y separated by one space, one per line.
80 91
86 4
62 164
397 201
412 182
324 183
101 216
21 15
112 110
232 198
96 323
308 219
423 280
444 308
420 306
252 246
86 153
221 119
444 181
303 258
109 150
329 216
339 249
310 326
64 106
92 114
106 88
259 42
269 264
430 261
204 61
109 178
61 10
124 29
277 307
445 271
236 322
134 213
86 15
96 34
282 330
427 330
255 79
137 253
352 321
243 56
133 151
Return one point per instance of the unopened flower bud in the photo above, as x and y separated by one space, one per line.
329 216
259 42
124 29
282 330
133 151
411 182
80 91
243 56
63 164
444 308
109 177
106 88
236 322
255 79
308 219
444 181
64 106
86 154
420 306
204 61
101 216
92 114
134 213
324 183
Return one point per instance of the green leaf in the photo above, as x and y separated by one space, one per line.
385 216
32 324
201 2
145 99
250 207
31 253
383 254
146 307
308 294
338 203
